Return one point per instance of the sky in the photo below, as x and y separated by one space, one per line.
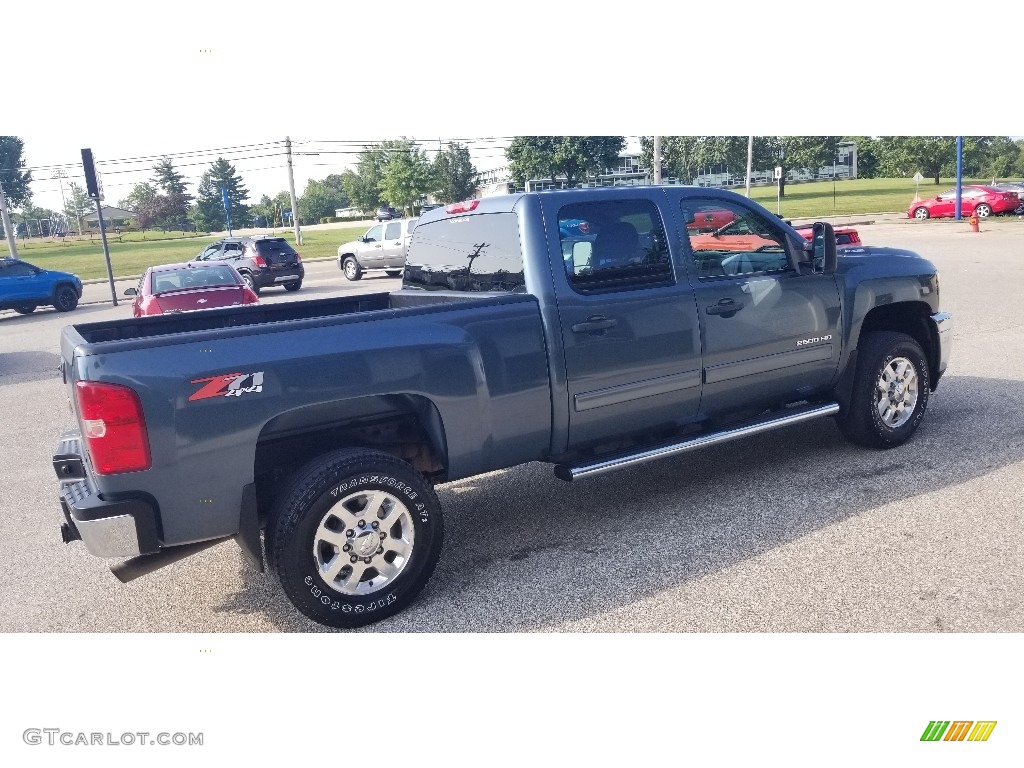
129 82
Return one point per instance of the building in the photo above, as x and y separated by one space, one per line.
112 217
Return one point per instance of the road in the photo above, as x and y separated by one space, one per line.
790 531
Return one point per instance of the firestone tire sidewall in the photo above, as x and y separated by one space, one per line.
300 576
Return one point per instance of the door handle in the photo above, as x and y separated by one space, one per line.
595 323
727 307
377 246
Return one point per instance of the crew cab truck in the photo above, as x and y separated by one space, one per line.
383 247
591 329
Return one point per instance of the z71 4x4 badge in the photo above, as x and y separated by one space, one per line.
228 385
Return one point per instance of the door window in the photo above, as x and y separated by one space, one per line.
16 269
614 245
374 234
393 231
746 243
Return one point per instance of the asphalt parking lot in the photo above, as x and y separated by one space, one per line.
791 531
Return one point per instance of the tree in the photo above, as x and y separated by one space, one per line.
142 201
868 155
171 184
208 212
795 152
454 174
574 157
322 198
13 175
78 204
363 185
407 176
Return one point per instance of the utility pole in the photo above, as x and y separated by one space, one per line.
291 191
750 160
657 160
12 246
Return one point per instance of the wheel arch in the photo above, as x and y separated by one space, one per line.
407 426
911 318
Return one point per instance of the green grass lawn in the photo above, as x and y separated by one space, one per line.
132 252
130 255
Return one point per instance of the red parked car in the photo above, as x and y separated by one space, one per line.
846 237
189 287
977 200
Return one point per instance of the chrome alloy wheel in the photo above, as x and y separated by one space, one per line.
351 269
364 542
897 392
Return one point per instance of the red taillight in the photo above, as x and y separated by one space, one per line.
259 262
464 207
248 297
298 258
113 427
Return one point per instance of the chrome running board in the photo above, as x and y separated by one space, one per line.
795 416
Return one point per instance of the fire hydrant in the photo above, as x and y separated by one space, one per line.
974 224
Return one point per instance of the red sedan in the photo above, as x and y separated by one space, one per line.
845 236
189 287
977 200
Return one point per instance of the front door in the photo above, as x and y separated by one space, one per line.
391 252
770 334
629 325
371 252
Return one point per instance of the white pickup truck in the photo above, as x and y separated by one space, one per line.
383 247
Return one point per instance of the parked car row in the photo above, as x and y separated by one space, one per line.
981 200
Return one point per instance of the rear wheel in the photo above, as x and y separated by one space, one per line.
25 309
352 269
66 298
355 537
983 211
921 213
249 281
890 391
293 286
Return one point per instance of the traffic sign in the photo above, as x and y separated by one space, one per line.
918 178
778 172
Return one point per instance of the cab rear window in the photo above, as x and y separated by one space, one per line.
467 253
271 248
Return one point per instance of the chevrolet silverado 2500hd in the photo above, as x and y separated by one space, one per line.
592 329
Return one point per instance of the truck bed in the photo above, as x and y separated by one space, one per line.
262 314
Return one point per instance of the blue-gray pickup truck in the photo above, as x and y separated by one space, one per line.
591 329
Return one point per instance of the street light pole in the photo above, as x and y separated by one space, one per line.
12 246
291 191
657 160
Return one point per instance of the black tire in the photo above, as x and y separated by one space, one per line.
922 213
293 286
251 283
396 272
315 502
983 211
352 269
25 309
65 298
862 423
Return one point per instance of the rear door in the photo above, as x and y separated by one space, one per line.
629 326
770 334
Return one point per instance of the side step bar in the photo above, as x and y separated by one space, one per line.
140 565
795 416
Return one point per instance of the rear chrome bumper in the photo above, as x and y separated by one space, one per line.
109 527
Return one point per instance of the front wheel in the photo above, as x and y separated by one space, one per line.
351 269
66 299
293 286
355 537
25 309
890 391
983 211
921 213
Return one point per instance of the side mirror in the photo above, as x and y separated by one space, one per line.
131 292
824 242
